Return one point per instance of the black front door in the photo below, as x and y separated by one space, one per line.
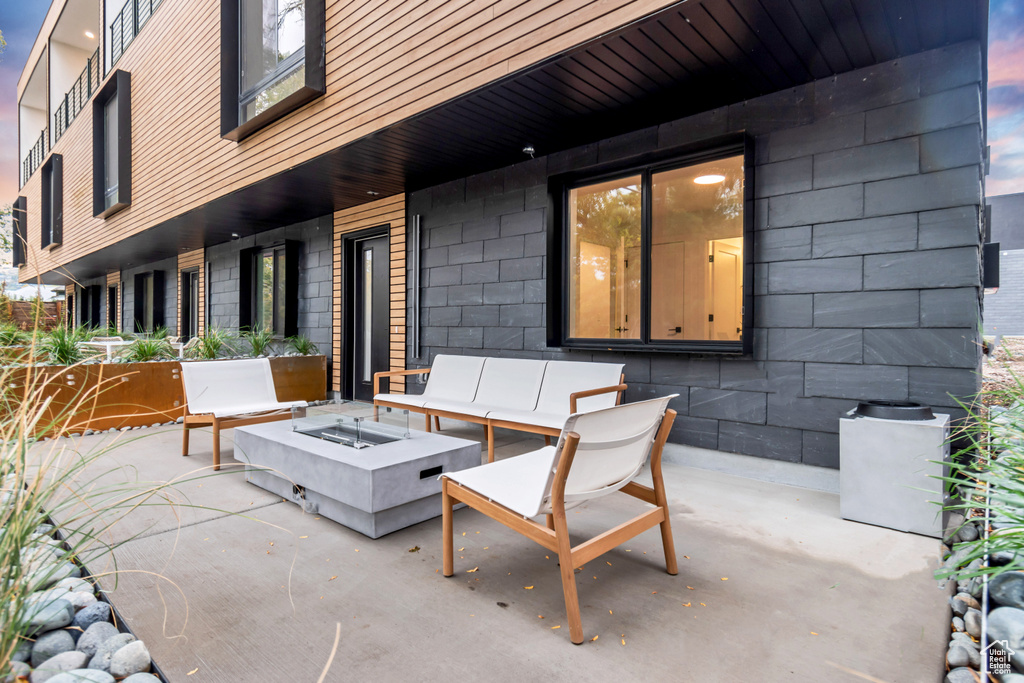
369 305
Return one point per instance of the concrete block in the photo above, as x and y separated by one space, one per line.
451 192
694 128
465 337
783 310
434 296
435 336
465 295
503 337
637 366
480 316
535 244
760 279
694 431
483 185
931 347
949 67
923 269
827 134
744 375
522 315
744 406
444 275
510 202
867 88
821 414
537 197
784 177
894 308
868 162
685 372
859 382
939 190
503 293
504 248
455 212
837 346
437 256
483 229
866 236
572 159
522 223
950 308
817 206
477 273
946 109
763 441
526 174
821 449
818 275
445 235
627 145
470 252
947 387
776 111
956 227
535 291
535 339
445 316
783 244
950 148
522 269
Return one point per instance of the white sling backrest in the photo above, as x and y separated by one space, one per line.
454 378
510 383
562 378
216 385
614 445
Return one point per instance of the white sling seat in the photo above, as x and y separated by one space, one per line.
229 393
598 453
453 378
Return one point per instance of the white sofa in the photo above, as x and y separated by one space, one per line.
527 395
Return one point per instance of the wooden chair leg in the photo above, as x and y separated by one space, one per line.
661 500
446 530
216 444
547 440
427 415
490 443
572 601
551 521
437 423
184 438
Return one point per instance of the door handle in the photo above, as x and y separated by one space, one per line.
676 330
622 329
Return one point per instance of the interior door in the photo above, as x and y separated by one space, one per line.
370 303
727 290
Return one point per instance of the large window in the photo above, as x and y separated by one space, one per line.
656 257
269 289
272 61
112 146
149 293
20 246
53 202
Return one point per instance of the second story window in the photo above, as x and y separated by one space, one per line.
112 146
52 202
272 61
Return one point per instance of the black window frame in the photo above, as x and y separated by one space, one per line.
120 82
646 165
189 315
89 297
158 302
52 200
113 319
248 288
314 57
19 216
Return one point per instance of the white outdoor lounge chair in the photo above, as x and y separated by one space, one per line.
598 453
229 393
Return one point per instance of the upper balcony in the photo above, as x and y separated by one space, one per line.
74 62
128 19
34 140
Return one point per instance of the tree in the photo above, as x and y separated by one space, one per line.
6 231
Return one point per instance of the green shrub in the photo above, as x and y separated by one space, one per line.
259 341
61 345
303 345
142 350
10 335
212 344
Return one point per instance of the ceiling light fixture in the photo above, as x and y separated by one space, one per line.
529 150
709 179
90 35
234 235
372 193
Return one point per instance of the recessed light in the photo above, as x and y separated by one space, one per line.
234 235
529 150
90 35
710 179
372 193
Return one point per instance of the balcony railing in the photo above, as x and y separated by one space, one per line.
35 156
130 20
77 97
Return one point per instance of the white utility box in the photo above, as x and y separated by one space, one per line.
888 470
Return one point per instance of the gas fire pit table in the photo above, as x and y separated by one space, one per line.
357 464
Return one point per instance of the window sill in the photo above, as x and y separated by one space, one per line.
710 347
115 208
297 99
51 246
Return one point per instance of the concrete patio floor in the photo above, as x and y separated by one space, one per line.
773 586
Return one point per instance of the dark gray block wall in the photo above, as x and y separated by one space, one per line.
315 278
102 282
1004 310
170 268
868 188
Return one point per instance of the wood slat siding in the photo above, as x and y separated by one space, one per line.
113 280
186 261
390 212
385 62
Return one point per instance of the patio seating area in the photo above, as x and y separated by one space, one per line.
772 585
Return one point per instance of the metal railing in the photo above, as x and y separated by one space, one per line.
76 98
129 21
35 156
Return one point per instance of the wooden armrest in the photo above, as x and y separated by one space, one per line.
394 373
573 397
